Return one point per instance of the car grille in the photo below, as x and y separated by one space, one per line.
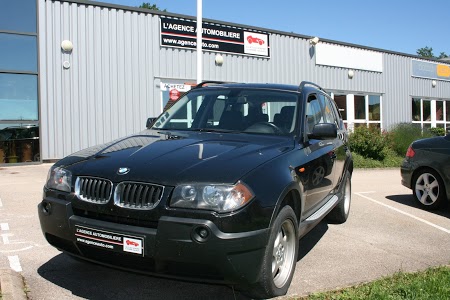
137 195
93 189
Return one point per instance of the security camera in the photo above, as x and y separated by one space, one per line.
314 40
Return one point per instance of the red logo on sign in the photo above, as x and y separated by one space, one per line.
132 243
174 94
251 39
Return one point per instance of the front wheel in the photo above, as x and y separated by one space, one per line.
428 189
280 257
339 214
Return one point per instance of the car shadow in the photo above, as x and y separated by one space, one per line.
91 281
308 242
408 200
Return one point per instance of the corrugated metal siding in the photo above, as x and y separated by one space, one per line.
400 87
109 90
117 63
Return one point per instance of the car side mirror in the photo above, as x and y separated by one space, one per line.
323 131
150 122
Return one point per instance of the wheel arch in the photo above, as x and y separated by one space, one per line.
291 196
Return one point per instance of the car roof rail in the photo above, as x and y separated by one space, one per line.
203 83
303 83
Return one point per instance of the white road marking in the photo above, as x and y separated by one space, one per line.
4 226
14 263
16 250
5 237
404 213
1 203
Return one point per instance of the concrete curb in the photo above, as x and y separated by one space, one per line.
11 285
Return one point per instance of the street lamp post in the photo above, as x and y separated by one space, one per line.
199 41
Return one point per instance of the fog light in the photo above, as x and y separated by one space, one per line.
201 234
46 208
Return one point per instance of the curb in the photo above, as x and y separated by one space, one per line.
11 285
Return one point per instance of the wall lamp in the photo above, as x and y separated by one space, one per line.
314 41
351 73
433 83
219 60
66 45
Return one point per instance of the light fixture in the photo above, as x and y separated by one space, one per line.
433 83
66 45
219 60
351 74
314 41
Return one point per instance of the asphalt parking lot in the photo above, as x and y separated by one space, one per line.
385 233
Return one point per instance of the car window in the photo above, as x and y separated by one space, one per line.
313 113
233 109
329 114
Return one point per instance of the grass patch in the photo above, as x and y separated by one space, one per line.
431 284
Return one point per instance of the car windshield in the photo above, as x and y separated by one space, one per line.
246 110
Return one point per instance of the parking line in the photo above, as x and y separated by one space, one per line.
14 263
404 213
4 226
1 203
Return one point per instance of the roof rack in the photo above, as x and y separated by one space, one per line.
201 84
303 83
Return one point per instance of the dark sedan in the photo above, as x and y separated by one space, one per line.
426 170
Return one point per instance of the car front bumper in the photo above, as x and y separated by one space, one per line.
177 247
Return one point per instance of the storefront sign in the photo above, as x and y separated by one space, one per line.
426 69
220 38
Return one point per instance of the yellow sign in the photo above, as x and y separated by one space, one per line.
443 70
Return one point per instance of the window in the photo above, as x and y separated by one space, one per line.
431 113
313 113
18 97
359 110
18 15
18 52
329 110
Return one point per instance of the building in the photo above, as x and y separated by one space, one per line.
74 74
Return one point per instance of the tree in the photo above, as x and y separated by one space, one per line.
425 52
428 53
150 6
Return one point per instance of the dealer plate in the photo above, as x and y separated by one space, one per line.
109 240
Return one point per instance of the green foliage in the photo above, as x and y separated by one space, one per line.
437 131
150 6
403 134
430 284
428 53
368 142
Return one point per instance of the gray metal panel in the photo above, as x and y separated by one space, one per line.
117 64
108 91
400 87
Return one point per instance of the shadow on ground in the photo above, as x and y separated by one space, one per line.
408 200
92 281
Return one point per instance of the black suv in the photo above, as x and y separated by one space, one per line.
219 188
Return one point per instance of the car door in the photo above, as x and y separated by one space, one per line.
318 170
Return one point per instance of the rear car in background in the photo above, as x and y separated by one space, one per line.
219 188
426 170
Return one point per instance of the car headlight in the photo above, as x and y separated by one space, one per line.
59 179
217 197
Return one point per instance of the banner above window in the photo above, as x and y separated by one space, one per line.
182 33
427 69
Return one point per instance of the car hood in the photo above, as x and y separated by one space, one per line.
170 158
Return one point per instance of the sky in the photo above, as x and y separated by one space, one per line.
397 25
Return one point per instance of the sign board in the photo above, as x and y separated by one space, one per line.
428 69
182 33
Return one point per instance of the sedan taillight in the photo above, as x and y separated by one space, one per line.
410 152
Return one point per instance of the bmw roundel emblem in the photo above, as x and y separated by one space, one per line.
123 171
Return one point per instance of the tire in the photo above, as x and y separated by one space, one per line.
428 189
339 214
280 257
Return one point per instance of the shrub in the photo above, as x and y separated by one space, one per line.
368 142
437 131
403 134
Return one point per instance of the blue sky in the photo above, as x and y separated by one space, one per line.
397 25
